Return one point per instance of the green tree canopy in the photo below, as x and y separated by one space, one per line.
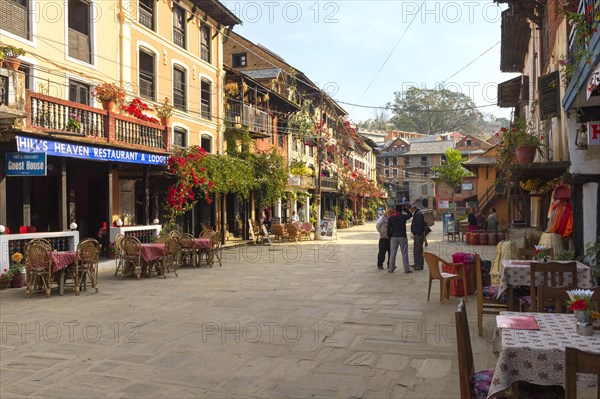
435 111
451 173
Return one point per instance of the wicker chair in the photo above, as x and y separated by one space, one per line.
162 238
171 258
279 232
188 250
132 255
86 264
174 233
293 231
38 263
306 230
214 250
119 253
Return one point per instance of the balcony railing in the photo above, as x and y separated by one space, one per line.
329 182
258 121
51 115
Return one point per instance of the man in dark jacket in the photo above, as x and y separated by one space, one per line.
396 230
417 227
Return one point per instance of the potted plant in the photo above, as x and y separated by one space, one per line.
164 110
11 54
109 94
521 140
5 278
18 271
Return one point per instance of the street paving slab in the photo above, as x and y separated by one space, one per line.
314 319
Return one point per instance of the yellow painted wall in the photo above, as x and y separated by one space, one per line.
167 54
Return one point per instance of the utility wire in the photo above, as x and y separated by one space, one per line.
391 52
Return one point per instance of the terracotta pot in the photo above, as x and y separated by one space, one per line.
12 63
468 237
165 121
108 105
18 280
525 154
483 238
474 239
492 239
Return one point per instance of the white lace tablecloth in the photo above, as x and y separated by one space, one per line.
518 272
538 356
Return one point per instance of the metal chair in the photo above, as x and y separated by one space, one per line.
86 264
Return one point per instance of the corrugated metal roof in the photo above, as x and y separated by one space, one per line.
270 73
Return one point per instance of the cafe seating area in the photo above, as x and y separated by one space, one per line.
62 261
535 344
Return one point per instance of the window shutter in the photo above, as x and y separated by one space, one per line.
13 17
549 93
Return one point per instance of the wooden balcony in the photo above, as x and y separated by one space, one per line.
12 94
259 122
329 184
302 182
50 115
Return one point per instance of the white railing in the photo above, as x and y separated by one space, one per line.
11 243
142 233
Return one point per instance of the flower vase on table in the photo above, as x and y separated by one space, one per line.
580 302
540 253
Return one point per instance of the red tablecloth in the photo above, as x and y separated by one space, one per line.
152 251
202 243
62 259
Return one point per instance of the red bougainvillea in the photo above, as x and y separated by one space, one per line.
136 108
192 180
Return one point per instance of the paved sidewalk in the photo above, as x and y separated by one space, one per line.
315 319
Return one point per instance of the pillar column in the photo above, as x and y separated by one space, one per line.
307 209
277 209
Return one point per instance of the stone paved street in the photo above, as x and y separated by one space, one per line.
316 319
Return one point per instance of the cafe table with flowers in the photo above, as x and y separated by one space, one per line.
531 346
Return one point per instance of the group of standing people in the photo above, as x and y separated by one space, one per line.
481 222
392 236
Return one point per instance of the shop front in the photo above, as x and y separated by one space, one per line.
89 185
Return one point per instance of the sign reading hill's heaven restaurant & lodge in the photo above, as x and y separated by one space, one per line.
71 150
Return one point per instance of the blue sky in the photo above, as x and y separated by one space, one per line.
341 46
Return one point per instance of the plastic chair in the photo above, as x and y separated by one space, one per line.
433 264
